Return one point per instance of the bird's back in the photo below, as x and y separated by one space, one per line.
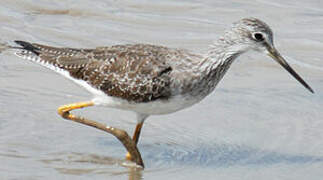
137 73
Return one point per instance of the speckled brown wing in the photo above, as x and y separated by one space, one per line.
137 73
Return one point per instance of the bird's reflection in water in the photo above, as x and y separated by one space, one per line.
134 173
83 164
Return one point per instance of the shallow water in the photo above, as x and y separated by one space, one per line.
258 124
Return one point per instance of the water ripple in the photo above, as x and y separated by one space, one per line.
223 155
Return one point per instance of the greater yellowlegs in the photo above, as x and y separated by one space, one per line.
150 79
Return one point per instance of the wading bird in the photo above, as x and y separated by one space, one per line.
150 79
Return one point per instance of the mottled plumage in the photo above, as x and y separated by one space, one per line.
149 79
137 73
142 73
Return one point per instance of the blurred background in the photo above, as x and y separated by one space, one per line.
260 123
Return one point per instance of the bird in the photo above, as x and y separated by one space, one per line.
151 79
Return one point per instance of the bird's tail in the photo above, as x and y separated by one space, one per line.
26 46
54 58
27 51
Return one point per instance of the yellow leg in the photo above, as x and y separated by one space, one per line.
135 137
124 138
64 110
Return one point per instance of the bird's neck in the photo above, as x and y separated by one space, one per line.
210 69
216 62
220 56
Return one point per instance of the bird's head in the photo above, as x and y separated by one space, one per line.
253 34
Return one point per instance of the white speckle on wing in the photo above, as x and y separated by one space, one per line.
61 71
101 99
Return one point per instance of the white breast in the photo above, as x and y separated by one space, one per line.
149 108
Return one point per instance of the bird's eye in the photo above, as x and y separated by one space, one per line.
258 36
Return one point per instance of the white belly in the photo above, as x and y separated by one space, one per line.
149 108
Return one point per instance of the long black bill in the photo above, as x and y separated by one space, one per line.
272 52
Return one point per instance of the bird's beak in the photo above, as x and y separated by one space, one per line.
273 53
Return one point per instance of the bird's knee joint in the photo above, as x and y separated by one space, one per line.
63 112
